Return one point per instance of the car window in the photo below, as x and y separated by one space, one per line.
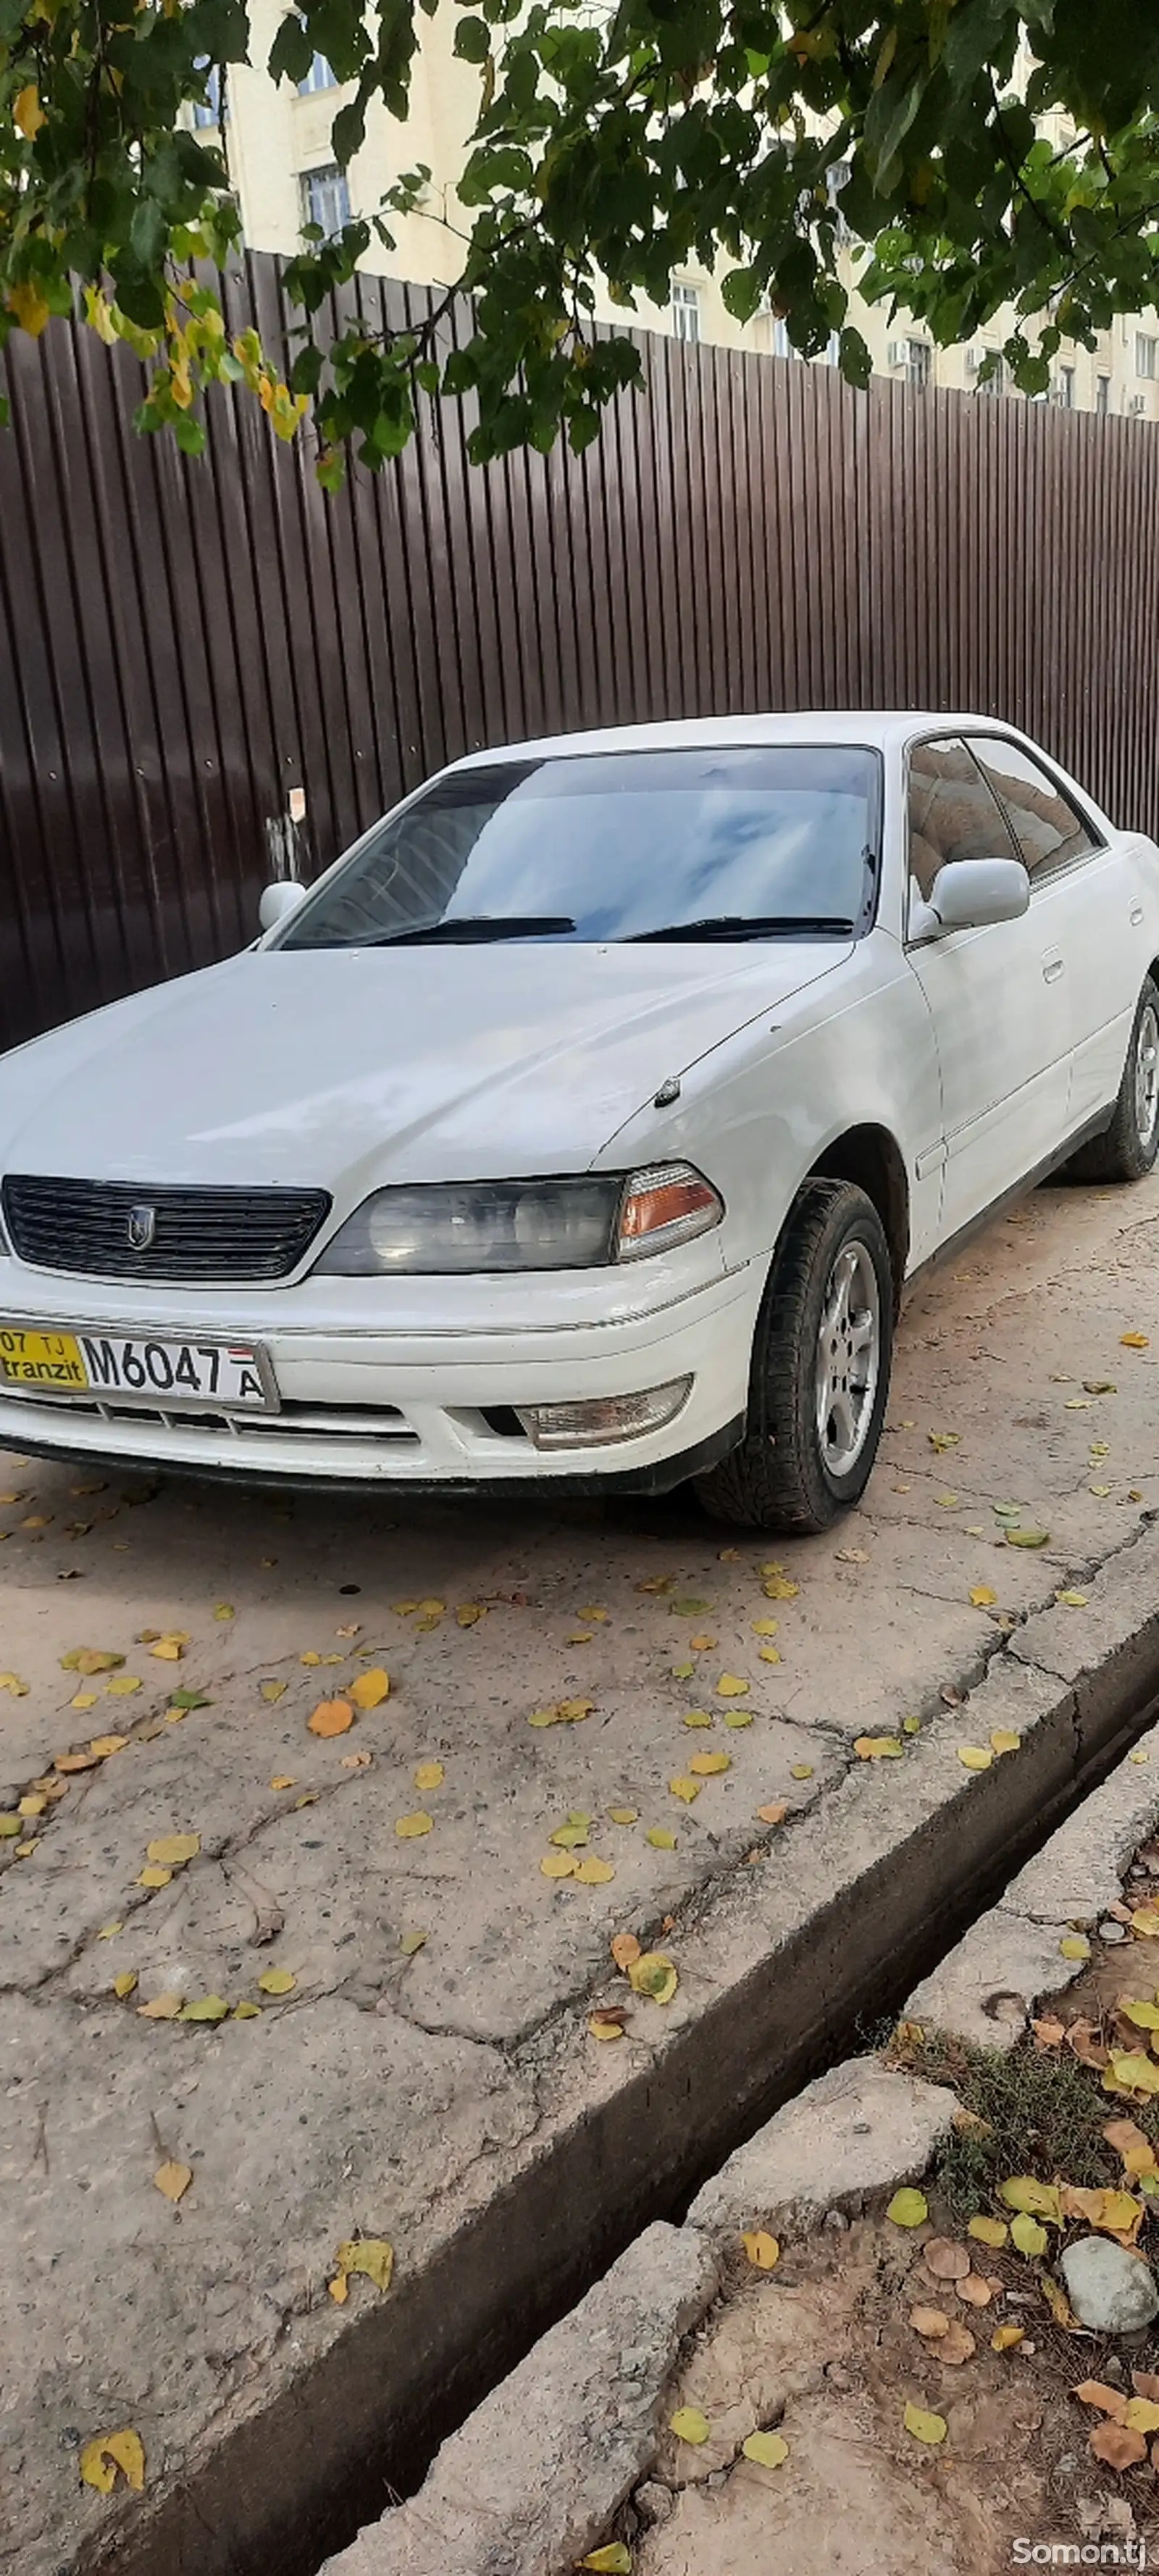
952 813
1049 830
616 845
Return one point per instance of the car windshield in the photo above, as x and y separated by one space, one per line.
769 842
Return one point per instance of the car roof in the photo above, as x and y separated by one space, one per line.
875 726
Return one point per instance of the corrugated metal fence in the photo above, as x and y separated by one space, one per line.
181 645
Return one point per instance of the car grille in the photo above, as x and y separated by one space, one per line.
196 1234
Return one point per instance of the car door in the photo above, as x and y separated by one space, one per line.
1090 897
995 995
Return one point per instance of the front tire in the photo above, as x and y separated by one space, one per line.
820 1370
1127 1149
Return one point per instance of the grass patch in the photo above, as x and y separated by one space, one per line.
1032 2111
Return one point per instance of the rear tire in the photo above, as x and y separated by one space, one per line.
1127 1149
820 1370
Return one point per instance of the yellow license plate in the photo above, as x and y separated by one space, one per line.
40 1359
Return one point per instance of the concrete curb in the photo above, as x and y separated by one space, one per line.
775 1962
986 1988
534 2476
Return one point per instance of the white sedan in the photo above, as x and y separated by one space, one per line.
583 1123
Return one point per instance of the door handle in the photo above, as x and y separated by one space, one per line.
1136 915
1052 968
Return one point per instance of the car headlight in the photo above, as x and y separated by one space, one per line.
463 1226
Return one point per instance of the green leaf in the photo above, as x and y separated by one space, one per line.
472 40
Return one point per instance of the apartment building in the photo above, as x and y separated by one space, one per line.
277 141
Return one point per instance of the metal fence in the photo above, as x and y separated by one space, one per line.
183 646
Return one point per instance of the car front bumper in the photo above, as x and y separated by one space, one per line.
362 1404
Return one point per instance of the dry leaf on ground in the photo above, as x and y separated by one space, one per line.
370 1688
101 2458
945 2259
173 2179
924 2426
331 1717
763 2250
909 2208
689 2425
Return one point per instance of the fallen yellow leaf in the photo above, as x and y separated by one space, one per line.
173 2179
1004 2338
101 2458
660 1838
877 1748
152 1877
370 1688
1135 1341
689 2425
162 2008
800 1770
1004 1739
1029 2237
683 1787
731 1686
763 2250
765 1627
924 2426
909 2207
624 1815
206 2008
247 2012
707 1766
371 2255
605 2026
283 1780
613 2559
106 1745
975 1757
173 1850
125 1983
339 2290
1074 1945
653 1975
697 1717
277 1981
122 1686
429 1775
559 1864
565 1712
772 1815
988 2231
272 1691
982 1596
769 2450
591 1871
410 1827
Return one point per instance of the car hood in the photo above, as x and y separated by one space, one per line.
350 1067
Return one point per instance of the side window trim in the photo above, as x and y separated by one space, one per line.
1040 877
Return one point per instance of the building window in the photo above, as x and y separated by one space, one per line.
320 76
1145 347
1064 389
995 382
914 359
1102 396
207 110
685 310
326 198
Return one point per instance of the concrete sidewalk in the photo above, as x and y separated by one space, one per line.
406 2090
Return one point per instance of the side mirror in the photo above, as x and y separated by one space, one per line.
970 894
278 900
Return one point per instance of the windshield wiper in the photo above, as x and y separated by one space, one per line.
736 925
477 926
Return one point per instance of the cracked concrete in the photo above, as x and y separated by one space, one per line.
420 2093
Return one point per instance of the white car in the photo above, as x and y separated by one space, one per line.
582 1124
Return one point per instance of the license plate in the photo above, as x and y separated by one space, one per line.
236 1377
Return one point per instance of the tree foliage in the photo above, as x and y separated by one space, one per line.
623 137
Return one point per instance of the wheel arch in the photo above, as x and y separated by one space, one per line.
870 1157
